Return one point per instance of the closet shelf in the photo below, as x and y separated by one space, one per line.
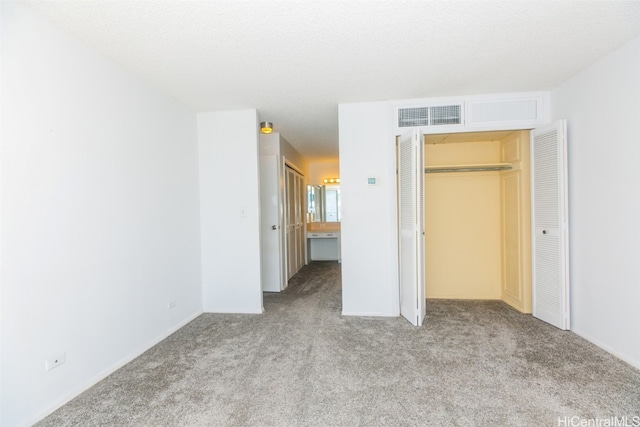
469 168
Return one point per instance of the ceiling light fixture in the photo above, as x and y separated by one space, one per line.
331 180
266 127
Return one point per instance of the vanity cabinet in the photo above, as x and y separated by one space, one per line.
323 245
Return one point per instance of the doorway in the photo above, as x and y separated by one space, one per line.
282 221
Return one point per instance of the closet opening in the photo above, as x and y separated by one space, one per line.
477 217
485 216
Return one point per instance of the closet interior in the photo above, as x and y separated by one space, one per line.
477 217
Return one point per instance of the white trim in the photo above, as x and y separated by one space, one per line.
183 323
289 163
368 314
608 349
233 311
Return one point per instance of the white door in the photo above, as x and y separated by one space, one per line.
549 218
270 225
411 226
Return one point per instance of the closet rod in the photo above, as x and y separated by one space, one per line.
468 169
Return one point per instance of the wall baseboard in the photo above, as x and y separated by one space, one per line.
233 311
608 349
368 314
67 397
181 324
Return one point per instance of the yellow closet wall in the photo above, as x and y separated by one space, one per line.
463 223
478 224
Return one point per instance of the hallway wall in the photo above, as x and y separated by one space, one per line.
368 229
230 211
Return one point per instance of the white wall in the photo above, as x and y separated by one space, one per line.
369 241
274 143
294 158
100 216
229 210
602 105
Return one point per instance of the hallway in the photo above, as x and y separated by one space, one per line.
303 364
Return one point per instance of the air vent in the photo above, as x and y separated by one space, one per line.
445 115
409 117
429 116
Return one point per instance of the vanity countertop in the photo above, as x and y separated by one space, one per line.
323 227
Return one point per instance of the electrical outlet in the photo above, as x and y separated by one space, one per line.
171 304
54 362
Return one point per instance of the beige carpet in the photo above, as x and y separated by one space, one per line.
474 363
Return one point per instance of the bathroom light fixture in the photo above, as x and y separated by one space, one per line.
331 180
266 127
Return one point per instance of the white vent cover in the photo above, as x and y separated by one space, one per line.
501 111
445 115
409 117
430 116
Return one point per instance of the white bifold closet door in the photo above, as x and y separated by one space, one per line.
294 221
550 243
411 226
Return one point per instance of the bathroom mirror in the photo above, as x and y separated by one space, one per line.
323 203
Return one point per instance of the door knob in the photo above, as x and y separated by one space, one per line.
273 227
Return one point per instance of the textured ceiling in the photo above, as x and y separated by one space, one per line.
296 60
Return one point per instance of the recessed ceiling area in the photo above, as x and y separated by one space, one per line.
295 61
